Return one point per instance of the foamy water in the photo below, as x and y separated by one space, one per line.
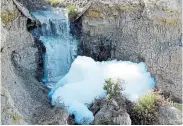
85 80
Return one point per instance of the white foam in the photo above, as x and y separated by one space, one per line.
85 82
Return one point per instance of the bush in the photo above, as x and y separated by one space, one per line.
145 112
54 2
147 103
113 88
72 11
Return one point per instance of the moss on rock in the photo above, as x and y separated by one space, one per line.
95 13
72 12
172 21
126 8
17 118
54 2
7 16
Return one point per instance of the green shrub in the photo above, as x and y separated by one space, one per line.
72 11
146 103
145 112
113 88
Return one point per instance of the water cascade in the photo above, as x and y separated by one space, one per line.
61 47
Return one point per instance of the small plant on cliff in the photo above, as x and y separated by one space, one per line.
113 88
147 103
7 17
55 2
145 112
72 11
17 118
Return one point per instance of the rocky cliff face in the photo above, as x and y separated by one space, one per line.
138 30
23 99
33 5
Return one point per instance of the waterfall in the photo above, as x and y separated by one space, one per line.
83 81
61 47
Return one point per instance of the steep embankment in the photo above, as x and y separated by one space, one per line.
138 30
23 99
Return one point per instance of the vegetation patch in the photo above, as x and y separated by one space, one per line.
72 11
168 21
146 103
113 88
169 10
127 8
145 112
17 118
7 16
55 2
96 13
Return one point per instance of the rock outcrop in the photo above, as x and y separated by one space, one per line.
110 112
169 116
23 10
21 94
121 112
33 5
138 30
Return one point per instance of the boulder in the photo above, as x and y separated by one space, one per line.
169 116
110 113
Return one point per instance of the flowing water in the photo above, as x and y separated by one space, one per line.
61 47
